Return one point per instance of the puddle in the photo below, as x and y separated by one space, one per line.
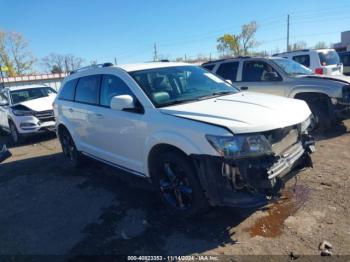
272 225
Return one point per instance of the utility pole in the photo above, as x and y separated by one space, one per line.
115 61
287 33
155 54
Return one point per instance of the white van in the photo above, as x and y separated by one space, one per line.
320 61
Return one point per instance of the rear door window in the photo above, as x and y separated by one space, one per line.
228 71
302 59
67 92
87 90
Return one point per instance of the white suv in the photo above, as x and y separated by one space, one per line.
198 139
320 61
26 110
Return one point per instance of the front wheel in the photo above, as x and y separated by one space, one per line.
322 118
15 135
178 185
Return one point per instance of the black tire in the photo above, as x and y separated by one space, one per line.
322 117
74 157
16 137
177 185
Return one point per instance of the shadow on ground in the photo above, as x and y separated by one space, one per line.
134 222
5 139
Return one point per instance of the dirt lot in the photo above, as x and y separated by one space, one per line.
46 208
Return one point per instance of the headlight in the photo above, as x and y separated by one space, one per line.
22 112
305 125
240 146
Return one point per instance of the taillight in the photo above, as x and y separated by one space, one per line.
319 71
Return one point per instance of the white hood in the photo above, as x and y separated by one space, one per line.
244 112
40 104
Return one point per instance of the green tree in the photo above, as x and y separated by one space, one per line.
230 44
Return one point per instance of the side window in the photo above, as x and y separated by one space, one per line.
257 71
67 92
112 86
228 71
87 90
209 67
302 59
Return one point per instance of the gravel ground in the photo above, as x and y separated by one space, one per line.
47 208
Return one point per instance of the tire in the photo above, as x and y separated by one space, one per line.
320 111
15 135
74 157
177 185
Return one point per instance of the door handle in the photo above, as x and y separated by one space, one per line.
244 88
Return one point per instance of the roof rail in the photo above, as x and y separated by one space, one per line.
108 64
224 59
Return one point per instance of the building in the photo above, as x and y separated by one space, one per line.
344 45
52 80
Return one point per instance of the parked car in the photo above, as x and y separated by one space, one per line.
327 97
320 61
26 110
345 60
199 140
4 153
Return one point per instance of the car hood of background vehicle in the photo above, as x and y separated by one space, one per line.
342 79
244 112
40 104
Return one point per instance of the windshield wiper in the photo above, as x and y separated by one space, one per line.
222 93
175 102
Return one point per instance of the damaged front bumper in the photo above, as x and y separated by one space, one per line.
251 182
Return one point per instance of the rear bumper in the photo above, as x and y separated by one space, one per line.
250 182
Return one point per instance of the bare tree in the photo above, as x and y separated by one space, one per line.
62 63
247 37
15 54
298 46
320 45
228 44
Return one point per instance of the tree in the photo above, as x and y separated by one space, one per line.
230 44
320 45
15 54
247 37
298 46
62 63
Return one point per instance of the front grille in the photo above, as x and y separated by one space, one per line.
282 139
45 116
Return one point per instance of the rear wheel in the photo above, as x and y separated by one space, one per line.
178 185
69 149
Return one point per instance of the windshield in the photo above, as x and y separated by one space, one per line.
180 84
19 96
292 68
329 57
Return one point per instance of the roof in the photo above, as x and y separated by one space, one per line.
241 57
145 66
11 88
32 77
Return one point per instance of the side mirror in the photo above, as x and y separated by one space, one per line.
4 103
271 76
122 102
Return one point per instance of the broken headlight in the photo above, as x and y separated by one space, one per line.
305 125
240 146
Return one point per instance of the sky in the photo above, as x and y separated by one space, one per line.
105 30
